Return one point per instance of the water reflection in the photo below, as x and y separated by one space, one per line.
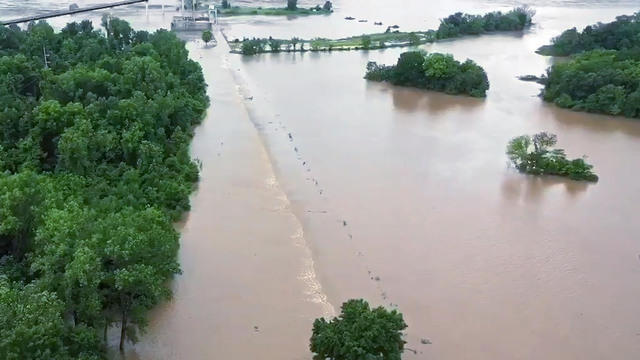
594 123
416 100
523 188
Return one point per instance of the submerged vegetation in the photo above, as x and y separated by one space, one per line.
453 26
603 74
439 72
94 170
535 155
359 333
291 9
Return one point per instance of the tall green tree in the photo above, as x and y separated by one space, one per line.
359 332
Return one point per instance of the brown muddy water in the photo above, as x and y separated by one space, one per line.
318 186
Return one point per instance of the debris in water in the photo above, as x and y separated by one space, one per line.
425 341
290 137
256 329
377 278
344 223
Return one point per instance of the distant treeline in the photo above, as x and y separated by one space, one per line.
94 169
464 24
439 72
603 75
621 34
453 26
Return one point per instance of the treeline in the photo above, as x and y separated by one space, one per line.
621 34
600 81
535 155
452 26
94 169
439 72
465 24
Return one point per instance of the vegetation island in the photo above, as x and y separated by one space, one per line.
453 26
603 71
535 155
439 72
94 171
225 9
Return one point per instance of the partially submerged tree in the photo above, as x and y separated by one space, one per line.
359 333
292 4
207 36
535 155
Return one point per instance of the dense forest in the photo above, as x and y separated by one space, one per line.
94 169
617 35
603 74
439 72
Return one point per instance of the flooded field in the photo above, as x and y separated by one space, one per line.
318 186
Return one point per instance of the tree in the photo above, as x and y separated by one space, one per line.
328 6
359 332
292 5
207 36
226 4
31 324
440 66
275 44
366 41
534 155
294 42
414 39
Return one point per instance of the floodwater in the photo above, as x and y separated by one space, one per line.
318 186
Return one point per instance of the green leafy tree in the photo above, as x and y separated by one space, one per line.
292 5
295 41
535 155
366 41
440 72
207 36
31 323
359 333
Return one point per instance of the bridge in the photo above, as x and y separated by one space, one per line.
71 11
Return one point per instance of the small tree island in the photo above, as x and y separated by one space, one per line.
535 155
439 72
345 338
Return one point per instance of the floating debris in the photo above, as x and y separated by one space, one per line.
425 341
349 18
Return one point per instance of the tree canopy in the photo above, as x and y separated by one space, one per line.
620 34
359 333
465 24
603 73
434 71
94 169
535 155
